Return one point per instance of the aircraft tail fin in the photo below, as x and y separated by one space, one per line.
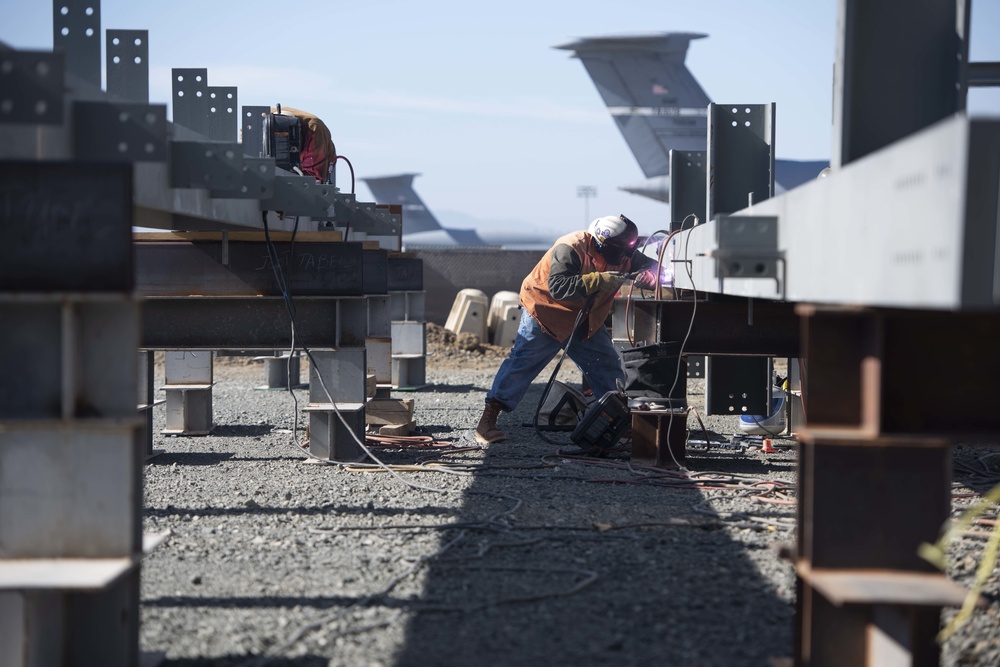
653 97
417 218
398 189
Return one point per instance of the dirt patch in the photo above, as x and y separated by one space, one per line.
446 349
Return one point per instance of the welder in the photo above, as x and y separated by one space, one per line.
566 300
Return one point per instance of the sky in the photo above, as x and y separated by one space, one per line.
502 127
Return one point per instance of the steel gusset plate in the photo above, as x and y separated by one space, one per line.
76 31
687 188
309 269
252 129
120 131
301 195
222 114
190 98
127 65
747 246
203 164
256 180
365 217
31 87
248 323
749 327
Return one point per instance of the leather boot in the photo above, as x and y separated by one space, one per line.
486 430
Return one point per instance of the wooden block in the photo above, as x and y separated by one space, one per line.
397 429
370 385
258 236
389 411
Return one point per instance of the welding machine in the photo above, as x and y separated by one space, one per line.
283 139
603 424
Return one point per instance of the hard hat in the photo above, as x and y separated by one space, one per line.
614 236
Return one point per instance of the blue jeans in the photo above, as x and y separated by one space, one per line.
534 349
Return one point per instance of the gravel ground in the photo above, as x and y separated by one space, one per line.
502 555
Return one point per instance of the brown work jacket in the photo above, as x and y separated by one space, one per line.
557 317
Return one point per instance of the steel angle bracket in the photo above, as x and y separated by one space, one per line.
365 216
119 131
31 87
387 223
301 195
256 180
206 165
746 247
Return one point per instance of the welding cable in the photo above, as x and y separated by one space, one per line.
403 441
658 297
687 335
351 167
704 430
555 371
279 278
289 305
983 572
659 274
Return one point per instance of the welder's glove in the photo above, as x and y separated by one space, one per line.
646 280
604 281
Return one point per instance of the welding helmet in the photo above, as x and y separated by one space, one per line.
614 237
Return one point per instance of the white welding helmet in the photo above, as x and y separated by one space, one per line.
614 236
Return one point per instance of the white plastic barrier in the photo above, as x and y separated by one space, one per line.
468 313
504 316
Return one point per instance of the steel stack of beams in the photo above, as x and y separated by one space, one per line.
81 167
880 278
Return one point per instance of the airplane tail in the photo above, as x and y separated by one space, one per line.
399 190
653 97
418 221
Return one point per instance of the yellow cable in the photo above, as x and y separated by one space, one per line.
935 554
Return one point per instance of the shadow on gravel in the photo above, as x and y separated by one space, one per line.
234 660
190 458
733 463
241 430
450 388
273 602
587 572
320 510
212 458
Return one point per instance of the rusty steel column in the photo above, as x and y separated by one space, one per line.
875 475
659 437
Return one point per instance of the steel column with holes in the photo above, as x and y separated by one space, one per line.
71 442
93 164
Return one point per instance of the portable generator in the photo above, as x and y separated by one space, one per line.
283 139
603 424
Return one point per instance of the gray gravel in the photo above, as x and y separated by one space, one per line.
521 557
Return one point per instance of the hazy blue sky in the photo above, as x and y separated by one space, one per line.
472 95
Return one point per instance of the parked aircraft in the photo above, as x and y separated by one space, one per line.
658 104
422 228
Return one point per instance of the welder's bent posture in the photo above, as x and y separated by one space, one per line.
581 272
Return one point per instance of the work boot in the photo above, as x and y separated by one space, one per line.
486 430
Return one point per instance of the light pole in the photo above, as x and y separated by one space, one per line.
586 191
